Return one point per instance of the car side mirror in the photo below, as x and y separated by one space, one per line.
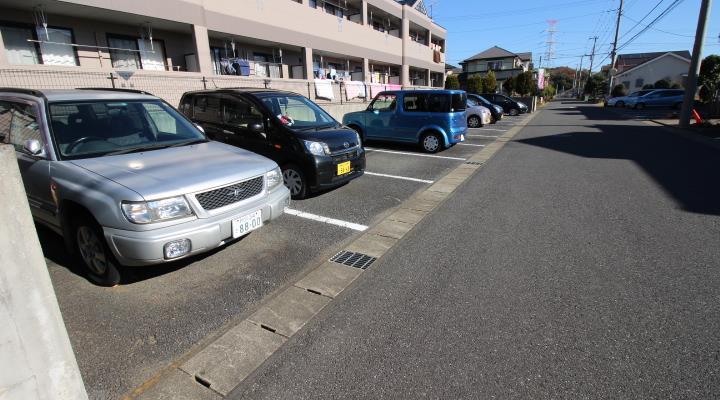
256 128
34 148
376 111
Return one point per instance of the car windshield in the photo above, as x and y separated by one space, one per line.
95 128
297 112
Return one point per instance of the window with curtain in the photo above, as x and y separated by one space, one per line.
123 57
17 47
57 54
152 57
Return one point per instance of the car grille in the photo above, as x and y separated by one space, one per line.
350 155
230 194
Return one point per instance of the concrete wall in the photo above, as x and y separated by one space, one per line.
669 67
36 359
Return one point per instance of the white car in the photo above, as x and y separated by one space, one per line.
477 115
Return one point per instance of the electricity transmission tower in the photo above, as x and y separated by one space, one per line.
550 42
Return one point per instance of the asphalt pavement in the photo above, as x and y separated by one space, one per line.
579 262
124 336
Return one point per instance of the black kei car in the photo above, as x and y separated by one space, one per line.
314 151
495 110
511 107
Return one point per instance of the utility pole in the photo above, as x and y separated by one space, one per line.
592 55
691 84
613 54
580 79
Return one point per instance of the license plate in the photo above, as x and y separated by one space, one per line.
343 168
246 224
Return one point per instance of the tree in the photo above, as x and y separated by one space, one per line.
489 82
452 82
709 78
676 85
562 77
648 86
662 84
509 85
618 90
596 85
475 84
524 83
549 91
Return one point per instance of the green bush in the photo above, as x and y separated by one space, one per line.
489 83
709 78
648 86
549 91
452 82
509 85
475 84
524 83
676 85
662 84
618 90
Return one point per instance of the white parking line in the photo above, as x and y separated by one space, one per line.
484 136
331 221
406 178
491 129
471 144
414 154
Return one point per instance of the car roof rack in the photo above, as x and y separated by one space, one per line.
117 90
31 92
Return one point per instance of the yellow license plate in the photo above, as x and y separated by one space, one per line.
343 168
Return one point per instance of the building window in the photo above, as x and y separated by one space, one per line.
127 52
495 65
639 82
20 51
61 51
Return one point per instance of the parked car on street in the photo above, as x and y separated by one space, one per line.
668 98
510 106
313 150
128 180
621 100
477 115
496 112
434 119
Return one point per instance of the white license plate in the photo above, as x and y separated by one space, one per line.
246 224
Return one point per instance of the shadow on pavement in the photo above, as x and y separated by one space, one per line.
687 170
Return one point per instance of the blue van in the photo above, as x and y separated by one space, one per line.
434 119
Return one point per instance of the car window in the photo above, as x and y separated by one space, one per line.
472 103
459 102
23 125
439 103
297 112
207 108
415 102
239 112
383 102
186 106
95 128
5 118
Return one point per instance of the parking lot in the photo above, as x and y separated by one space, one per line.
124 335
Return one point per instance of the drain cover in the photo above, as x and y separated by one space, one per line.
351 259
473 163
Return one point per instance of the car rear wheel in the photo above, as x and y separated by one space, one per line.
514 112
474 121
620 104
295 181
94 253
431 142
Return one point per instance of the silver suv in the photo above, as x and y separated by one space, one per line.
128 180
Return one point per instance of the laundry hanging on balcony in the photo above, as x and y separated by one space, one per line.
354 89
324 89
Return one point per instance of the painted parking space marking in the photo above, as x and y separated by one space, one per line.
492 129
471 144
414 154
326 220
406 178
482 136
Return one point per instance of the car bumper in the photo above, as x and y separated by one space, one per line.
326 169
138 248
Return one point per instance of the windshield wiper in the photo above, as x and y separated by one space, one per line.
136 150
196 141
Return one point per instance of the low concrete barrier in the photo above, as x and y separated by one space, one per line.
36 359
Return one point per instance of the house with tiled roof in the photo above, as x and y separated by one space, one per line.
502 62
638 69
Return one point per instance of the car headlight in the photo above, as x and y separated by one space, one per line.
273 178
317 148
145 212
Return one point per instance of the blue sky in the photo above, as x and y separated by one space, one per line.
521 25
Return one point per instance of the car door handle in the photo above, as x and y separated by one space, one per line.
227 132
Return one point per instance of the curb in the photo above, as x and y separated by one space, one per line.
686 133
227 360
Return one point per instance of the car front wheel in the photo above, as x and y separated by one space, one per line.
94 253
295 181
514 112
620 104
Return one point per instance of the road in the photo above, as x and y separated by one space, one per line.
124 336
579 262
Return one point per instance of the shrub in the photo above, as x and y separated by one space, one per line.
676 85
662 84
709 78
475 84
549 91
452 82
648 86
509 85
524 83
489 83
618 90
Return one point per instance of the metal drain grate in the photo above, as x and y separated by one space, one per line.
473 163
351 259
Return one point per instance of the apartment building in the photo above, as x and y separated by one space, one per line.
281 43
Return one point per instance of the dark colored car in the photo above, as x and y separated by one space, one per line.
668 98
313 150
510 106
496 112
